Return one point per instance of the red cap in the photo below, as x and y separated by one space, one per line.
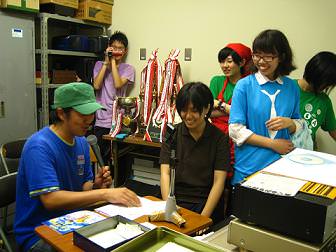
243 51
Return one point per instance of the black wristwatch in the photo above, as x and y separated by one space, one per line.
222 106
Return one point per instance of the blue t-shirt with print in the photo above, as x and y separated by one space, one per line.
252 108
47 164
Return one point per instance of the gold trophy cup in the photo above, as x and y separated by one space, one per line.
129 109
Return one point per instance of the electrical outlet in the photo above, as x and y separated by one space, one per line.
187 54
142 53
2 109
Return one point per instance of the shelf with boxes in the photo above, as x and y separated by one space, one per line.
66 48
99 11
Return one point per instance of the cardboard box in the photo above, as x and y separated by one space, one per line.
107 1
94 10
63 76
68 3
38 78
24 5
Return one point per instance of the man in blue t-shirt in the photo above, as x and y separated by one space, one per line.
55 175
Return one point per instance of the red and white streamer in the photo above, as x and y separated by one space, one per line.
165 112
150 75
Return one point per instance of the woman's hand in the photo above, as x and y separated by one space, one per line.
216 103
282 146
279 123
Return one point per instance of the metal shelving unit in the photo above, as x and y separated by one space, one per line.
47 24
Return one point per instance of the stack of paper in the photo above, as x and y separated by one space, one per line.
147 207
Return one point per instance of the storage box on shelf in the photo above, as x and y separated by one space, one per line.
62 7
22 5
95 10
67 3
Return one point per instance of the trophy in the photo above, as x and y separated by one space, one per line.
127 110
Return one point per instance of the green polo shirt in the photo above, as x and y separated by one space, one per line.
317 110
197 161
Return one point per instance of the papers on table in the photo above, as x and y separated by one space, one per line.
274 184
306 165
147 207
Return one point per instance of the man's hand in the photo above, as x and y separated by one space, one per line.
282 146
103 178
279 123
122 196
107 51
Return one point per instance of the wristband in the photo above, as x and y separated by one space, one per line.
223 106
105 63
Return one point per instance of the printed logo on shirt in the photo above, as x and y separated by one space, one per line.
309 107
80 163
311 116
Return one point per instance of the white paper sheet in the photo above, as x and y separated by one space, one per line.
306 165
173 247
274 184
147 207
111 237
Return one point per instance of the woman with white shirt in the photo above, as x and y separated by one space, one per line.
265 107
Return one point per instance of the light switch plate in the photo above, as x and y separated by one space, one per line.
187 54
142 53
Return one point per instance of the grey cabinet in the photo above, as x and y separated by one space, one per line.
17 71
47 27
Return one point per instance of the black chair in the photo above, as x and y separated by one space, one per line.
10 154
7 196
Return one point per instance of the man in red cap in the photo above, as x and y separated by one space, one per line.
235 61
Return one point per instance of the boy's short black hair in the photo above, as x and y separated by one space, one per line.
320 72
54 117
120 37
275 42
196 93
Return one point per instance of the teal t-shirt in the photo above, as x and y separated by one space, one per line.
317 110
216 85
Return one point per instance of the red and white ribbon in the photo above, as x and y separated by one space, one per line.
165 112
117 127
150 75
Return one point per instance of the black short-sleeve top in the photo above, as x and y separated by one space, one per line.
197 161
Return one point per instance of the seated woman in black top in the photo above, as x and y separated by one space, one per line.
203 155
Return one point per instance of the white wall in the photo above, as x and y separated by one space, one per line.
207 26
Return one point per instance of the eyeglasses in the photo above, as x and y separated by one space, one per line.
117 48
266 58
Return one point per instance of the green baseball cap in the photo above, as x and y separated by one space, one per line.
77 95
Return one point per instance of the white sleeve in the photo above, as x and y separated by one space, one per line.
239 133
298 124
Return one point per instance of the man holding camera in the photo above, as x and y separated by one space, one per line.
111 79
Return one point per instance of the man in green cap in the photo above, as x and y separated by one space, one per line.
55 175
